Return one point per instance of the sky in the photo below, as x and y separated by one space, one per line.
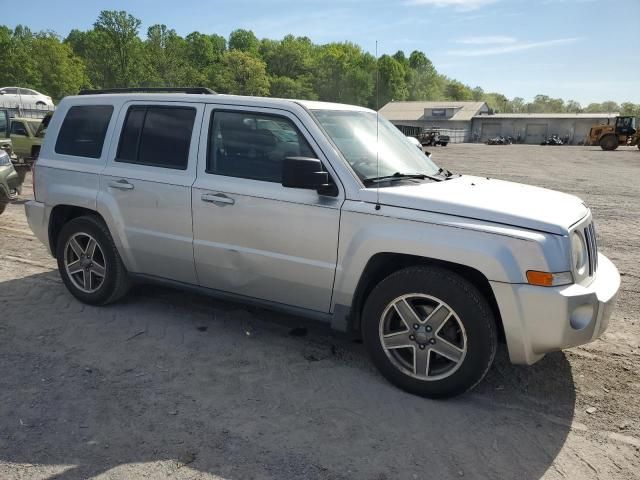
584 50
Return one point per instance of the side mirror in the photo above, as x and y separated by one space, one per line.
304 172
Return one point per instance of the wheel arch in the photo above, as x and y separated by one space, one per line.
61 215
381 265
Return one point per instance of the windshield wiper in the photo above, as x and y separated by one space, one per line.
400 176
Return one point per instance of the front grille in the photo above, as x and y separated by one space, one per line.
592 248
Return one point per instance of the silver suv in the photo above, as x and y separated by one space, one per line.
320 210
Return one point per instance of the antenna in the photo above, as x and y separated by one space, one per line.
377 129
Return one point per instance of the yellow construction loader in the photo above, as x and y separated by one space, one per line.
610 137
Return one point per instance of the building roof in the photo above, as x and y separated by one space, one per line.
549 115
413 111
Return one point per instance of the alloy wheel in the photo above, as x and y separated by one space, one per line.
84 262
423 336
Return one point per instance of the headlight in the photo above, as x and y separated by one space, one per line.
4 159
579 253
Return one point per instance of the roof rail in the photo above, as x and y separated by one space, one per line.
191 90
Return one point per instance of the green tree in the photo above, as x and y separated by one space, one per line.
242 74
630 109
478 94
285 87
392 80
165 57
344 73
458 91
292 57
610 107
244 40
518 105
573 106
423 82
119 37
40 61
60 72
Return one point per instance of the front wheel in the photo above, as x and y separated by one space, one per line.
429 331
89 263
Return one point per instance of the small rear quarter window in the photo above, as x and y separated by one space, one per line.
83 130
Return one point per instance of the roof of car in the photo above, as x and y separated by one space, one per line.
217 98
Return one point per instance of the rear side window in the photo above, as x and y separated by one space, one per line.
83 130
157 136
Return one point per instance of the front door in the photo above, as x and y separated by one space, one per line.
145 189
252 236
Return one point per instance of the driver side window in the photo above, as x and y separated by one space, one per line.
253 146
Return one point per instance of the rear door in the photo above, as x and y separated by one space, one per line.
145 188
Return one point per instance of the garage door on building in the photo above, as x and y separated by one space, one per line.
536 133
490 130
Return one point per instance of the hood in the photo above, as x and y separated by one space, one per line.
491 200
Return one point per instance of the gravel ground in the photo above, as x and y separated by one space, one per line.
172 384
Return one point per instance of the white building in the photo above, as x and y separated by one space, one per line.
474 122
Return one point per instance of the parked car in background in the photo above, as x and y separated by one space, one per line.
24 97
433 138
9 181
5 138
26 137
285 204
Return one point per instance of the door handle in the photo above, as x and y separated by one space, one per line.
121 184
219 199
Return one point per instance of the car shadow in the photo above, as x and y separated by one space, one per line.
192 383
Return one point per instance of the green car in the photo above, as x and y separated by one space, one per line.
26 137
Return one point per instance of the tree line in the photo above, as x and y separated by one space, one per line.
113 54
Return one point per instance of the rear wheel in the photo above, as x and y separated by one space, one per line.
2 207
89 263
429 331
609 142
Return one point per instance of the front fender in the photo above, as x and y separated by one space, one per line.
500 255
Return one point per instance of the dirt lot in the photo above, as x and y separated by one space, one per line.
168 384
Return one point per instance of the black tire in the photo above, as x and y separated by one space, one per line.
609 142
116 281
2 207
472 310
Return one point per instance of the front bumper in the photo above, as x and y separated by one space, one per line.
538 320
38 219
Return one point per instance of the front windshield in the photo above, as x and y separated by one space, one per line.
33 126
354 133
